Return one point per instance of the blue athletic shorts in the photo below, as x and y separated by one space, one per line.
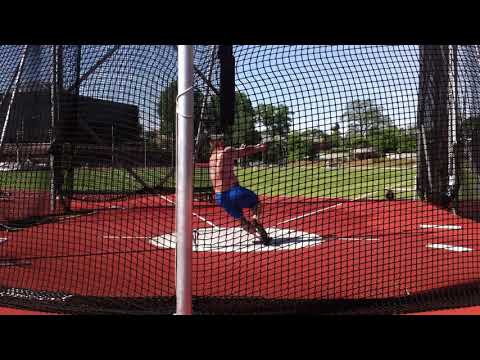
235 200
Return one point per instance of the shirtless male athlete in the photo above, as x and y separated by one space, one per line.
228 193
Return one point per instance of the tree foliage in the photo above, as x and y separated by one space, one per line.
334 139
368 126
363 117
167 108
299 147
277 121
244 130
366 123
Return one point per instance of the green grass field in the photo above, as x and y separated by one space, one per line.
470 190
24 180
293 179
318 181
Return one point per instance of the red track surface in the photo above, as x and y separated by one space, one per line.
474 310
88 256
9 311
25 203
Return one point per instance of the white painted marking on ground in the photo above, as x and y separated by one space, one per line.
441 227
125 237
193 213
325 209
238 240
311 213
402 189
449 247
207 221
3 240
365 196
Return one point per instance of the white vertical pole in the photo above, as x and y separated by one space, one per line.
452 113
54 127
184 183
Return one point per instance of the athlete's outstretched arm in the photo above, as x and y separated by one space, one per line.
246 150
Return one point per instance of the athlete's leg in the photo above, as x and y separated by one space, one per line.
257 220
248 199
234 202
248 226
266 239
257 212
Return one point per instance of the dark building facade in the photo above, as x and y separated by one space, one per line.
93 126
109 122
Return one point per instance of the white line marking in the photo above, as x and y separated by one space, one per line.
443 227
311 213
14 262
208 222
194 214
401 189
150 237
357 239
365 196
125 237
325 209
238 240
449 247
3 240
167 199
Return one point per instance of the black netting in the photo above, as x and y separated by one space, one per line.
364 182
89 148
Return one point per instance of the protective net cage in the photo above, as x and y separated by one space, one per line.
327 179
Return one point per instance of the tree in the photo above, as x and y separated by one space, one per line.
408 140
385 139
355 140
335 139
168 107
298 147
363 117
275 118
243 130
277 121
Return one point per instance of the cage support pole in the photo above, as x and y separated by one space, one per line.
452 116
54 123
199 138
184 184
70 137
90 71
204 78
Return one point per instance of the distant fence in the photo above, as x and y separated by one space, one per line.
90 154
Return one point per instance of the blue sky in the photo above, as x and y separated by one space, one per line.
317 82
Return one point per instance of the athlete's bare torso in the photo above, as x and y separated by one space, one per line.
222 164
222 169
